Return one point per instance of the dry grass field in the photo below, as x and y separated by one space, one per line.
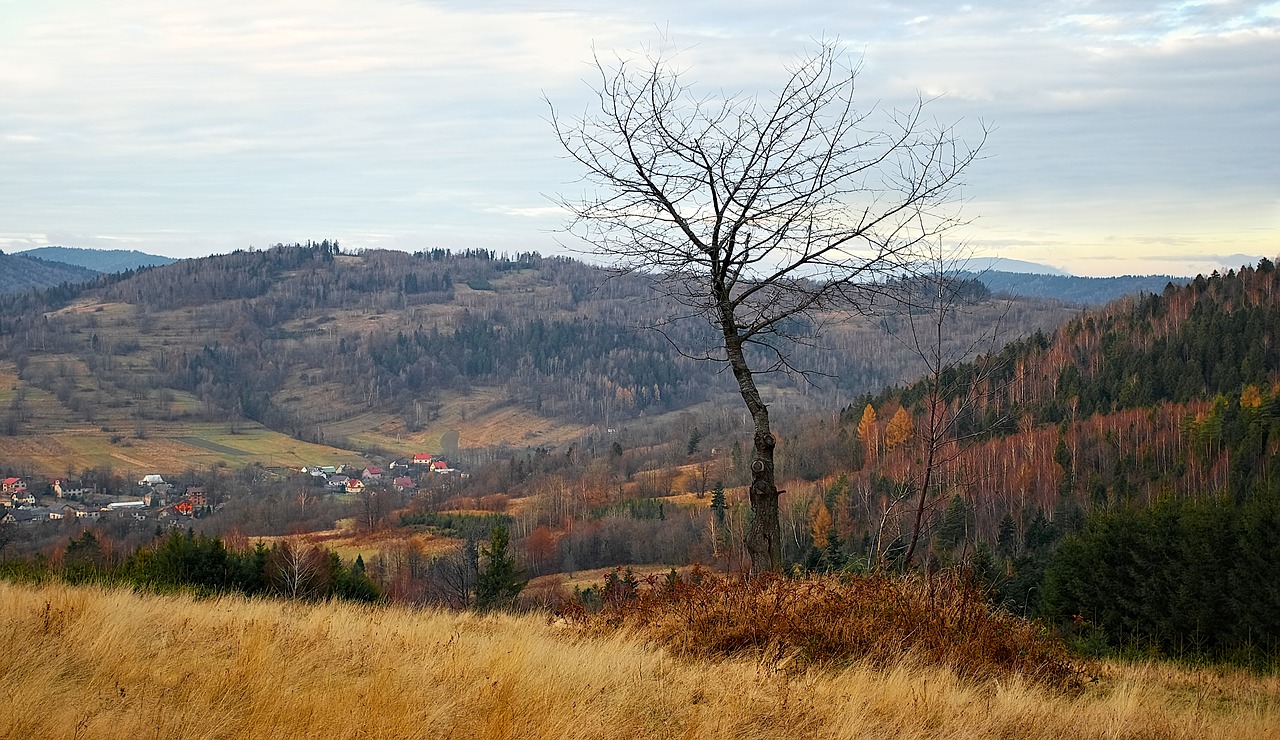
348 543
168 448
83 662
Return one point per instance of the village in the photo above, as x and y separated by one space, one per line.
27 501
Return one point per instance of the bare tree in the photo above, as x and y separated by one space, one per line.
297 571
760 215
929 301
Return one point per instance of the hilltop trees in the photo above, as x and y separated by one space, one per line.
758 214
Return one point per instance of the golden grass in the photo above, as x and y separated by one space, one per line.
349 543
83 662
168 447
595 576
480 418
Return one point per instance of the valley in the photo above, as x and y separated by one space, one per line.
296 388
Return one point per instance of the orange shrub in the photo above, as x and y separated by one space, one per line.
939 620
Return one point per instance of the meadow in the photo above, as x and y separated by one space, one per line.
90 662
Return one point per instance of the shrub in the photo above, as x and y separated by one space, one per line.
832 621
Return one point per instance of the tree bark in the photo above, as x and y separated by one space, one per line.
764 537
764 534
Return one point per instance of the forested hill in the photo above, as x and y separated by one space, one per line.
302 337
1143 439
99 260
1213 336
19 273
1086 290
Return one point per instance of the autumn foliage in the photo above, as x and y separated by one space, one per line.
939 620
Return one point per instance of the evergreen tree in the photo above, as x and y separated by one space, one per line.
695 441
500 581
954 525
718 503
1007 538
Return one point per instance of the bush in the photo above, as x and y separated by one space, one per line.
832 621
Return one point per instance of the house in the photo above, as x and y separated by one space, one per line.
151 480
440 466
196 495
26 515
404 484
184 508
13 485
421 459
87 514
337 482
354 485
24 498
371 473
69 488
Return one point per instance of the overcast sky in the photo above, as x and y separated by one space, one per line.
1130 137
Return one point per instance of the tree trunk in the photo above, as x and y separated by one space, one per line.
764 535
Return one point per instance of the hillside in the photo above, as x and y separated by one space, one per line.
1089 470
1084 290
390 353
115 664
99 260
20 273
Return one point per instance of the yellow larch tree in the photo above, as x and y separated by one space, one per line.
868 432
899 430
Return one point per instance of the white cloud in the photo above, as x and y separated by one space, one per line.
192 127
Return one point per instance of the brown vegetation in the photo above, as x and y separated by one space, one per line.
89 663
939 620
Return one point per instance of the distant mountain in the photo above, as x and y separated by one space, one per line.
1004 264
1086 290
100 260
20 273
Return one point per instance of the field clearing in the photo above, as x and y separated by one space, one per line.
168 447
211 446
594 577
479 419
348 543
96 663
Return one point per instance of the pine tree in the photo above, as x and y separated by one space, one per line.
954 525
718 503
1007 539
695 441
500 581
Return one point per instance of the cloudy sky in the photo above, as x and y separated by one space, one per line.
1129 137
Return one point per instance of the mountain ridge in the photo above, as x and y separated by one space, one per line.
20 273
99 260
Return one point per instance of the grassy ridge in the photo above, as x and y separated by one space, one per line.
87 663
